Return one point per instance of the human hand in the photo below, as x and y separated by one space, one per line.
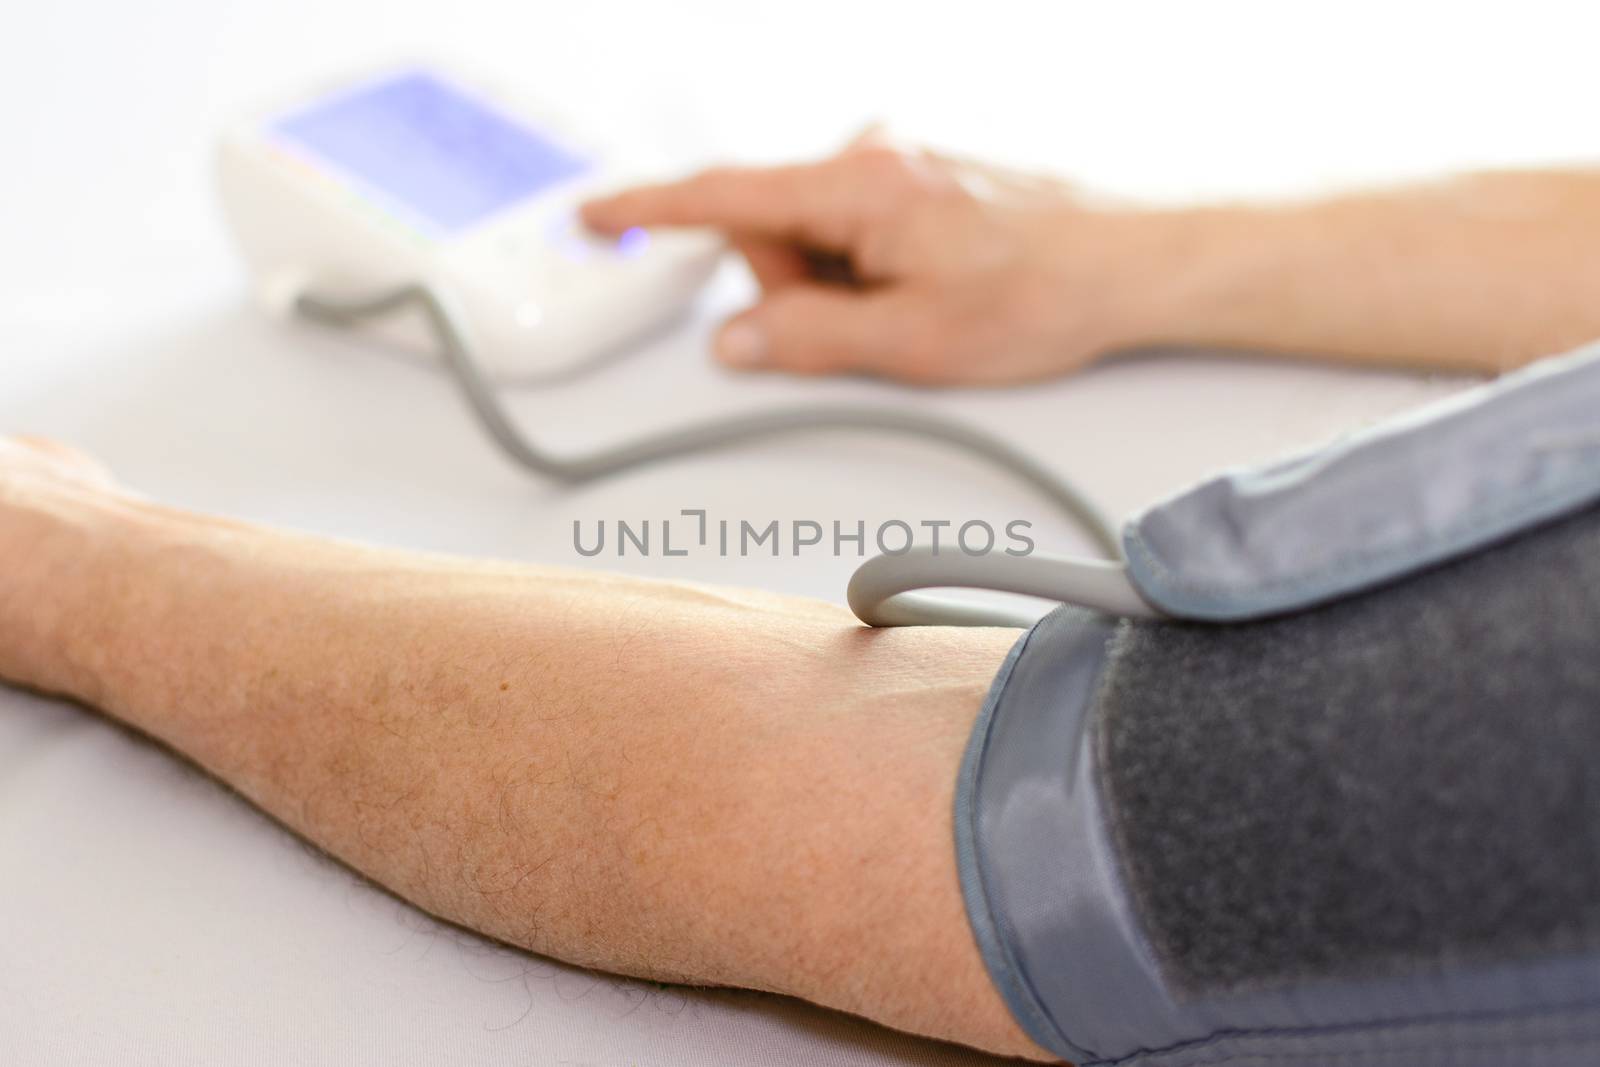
903 263
51 497
31 466
48 490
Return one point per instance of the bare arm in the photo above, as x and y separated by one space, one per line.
698 785
1482 272
970 274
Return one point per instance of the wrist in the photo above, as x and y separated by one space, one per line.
1200 275
68 614
1109 276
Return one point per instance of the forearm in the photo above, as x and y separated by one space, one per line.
665 780
1478 273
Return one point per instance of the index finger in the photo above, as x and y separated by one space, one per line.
813 203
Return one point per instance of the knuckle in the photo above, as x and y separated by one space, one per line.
885 166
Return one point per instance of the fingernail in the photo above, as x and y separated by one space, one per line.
742 344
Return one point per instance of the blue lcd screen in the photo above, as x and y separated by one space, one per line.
430 148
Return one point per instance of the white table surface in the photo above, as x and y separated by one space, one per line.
146 915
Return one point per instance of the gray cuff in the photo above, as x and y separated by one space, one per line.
1359 835
1026 829
1382 503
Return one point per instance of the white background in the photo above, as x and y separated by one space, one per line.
146 915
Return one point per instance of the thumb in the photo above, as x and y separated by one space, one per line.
815 329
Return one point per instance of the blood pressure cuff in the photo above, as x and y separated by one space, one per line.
1363 832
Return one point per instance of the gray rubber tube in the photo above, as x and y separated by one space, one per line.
705 436
880 589
877 592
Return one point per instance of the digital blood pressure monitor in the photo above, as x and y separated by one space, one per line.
413 177
410 200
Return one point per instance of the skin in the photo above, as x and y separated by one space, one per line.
963 274
579 764
724 786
